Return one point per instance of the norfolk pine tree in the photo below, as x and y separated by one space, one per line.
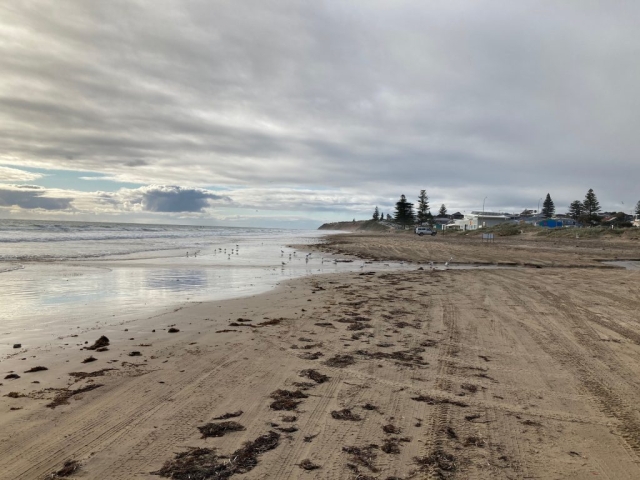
638 208
376 214
548 208
423 208
404 212
575 209
443 211
591 206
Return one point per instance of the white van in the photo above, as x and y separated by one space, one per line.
425 231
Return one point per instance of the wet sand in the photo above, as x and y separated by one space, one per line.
512 373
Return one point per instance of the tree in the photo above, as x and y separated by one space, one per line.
424 215
443 211
548 208
381 216
638 208
376 214
591 206
575 210
404 212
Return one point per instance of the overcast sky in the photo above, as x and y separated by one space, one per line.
290 113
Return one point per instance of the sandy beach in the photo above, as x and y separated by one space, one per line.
421 373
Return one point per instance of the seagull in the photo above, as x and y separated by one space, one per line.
446 264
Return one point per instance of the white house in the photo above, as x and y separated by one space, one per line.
476 220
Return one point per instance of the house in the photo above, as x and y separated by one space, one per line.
441 222
476 220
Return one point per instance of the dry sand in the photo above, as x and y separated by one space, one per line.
491 374
523 250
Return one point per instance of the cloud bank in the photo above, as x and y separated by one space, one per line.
325 104
31 197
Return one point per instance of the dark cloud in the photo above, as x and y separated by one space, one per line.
466 98
171 199
31 197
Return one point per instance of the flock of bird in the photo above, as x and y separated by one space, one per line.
294 255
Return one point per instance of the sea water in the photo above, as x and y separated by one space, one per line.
58 277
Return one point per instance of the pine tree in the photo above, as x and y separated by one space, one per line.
381 216
443 211
424 215
575 209
404 212
591 206
638 208
376 214
548 208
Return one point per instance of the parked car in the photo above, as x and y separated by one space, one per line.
425 231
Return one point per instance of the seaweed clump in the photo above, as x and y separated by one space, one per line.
225 416
346 414
307 464
314 375
83 375
220 429
100 343
36 369
206 464
438 401
363 456
68 468
391 429
286 399
441 463
340 361
63 396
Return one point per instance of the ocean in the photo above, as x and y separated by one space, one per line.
55 240
62 278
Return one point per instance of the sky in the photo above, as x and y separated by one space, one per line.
293 113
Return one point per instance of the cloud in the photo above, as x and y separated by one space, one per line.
171 199
8 174
30 197
327 105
